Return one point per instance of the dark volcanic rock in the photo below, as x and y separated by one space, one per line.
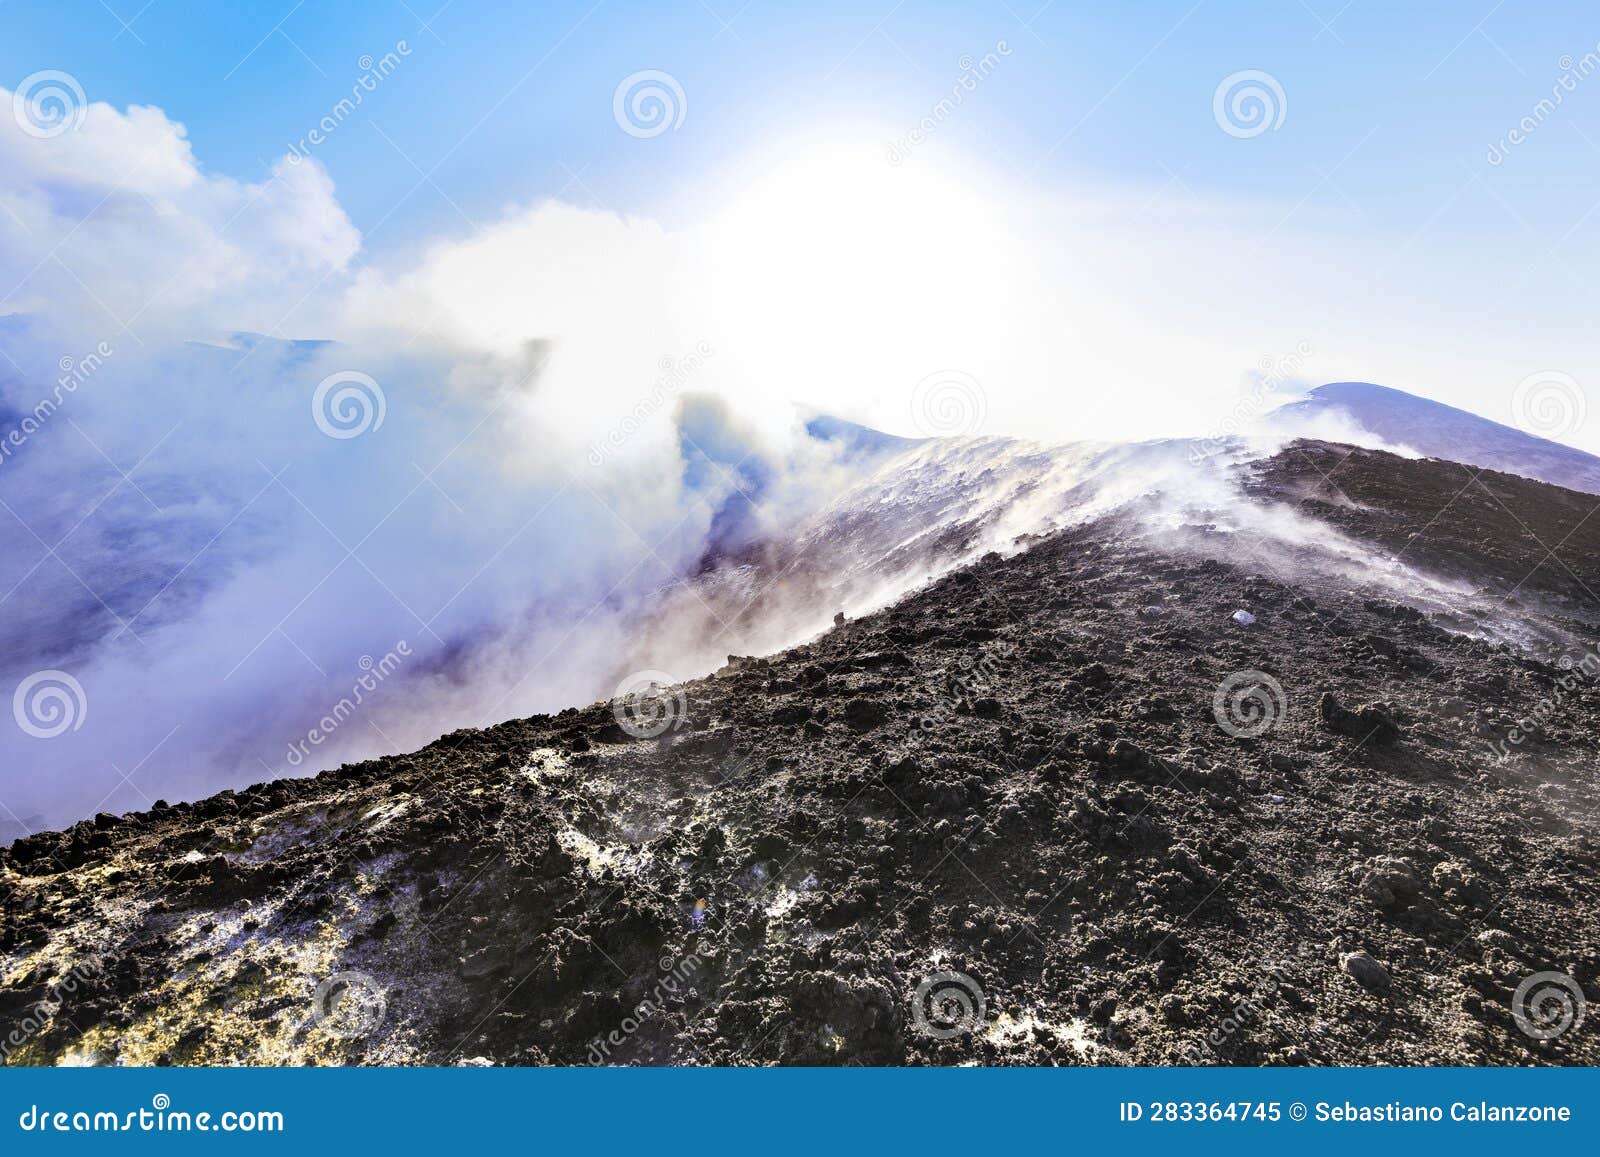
1007 820
1369 724
1366 971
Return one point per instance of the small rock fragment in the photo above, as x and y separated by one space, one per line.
1371 723
1366 971
1389 881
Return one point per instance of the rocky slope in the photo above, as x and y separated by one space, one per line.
1064 806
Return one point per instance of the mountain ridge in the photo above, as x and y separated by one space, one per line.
1443 431
1026 779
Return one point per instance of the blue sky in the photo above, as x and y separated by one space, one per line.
1384 220
1389 106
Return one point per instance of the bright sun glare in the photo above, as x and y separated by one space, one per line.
864 274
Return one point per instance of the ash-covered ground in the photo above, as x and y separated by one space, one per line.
1060 807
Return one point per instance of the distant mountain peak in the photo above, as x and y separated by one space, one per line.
1441 431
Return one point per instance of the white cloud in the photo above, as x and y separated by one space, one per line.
114 222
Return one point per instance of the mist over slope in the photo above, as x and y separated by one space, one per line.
208 568
234 595
1442 431
1153 790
